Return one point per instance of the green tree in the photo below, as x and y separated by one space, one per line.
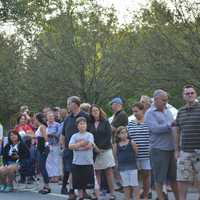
74 55
11 77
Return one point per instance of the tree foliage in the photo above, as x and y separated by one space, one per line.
78 48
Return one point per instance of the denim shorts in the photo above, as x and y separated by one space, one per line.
163 165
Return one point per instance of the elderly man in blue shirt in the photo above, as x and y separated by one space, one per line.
162 143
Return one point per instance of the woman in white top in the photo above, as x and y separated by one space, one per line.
42 150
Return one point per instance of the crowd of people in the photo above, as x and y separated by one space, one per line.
157 147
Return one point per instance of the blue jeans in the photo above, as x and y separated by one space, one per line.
42 158
67 158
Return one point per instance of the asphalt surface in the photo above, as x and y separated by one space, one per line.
30 192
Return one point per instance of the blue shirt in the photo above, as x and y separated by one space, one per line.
161 133
126 157
53 133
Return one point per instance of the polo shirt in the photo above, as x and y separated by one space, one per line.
140 134
188 121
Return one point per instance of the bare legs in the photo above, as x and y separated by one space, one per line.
7 175
159 191
174 188
182 188
128 191
109 177
146 182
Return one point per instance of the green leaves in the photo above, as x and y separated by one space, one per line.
76 47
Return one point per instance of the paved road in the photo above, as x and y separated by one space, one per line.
31 193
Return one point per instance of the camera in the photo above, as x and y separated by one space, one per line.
14 153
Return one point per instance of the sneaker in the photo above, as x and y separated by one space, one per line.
45 190
2 187
9 188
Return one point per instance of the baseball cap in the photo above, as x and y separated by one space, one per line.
117 100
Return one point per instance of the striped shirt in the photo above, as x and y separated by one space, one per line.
139 133
188 121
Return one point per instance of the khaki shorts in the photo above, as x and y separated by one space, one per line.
188 167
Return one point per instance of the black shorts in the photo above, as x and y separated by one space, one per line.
83 176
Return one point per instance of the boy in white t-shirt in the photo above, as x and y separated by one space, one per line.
82 144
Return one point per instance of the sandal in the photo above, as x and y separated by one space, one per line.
45 190
2 187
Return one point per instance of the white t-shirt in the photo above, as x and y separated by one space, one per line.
82 157
131 118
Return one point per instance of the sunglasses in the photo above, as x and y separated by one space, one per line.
189 93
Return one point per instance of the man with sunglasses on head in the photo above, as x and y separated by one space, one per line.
162 144
188 142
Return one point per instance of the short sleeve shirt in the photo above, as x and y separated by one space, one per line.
188 121
82 157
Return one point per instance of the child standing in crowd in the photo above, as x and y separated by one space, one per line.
82 169
125 152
